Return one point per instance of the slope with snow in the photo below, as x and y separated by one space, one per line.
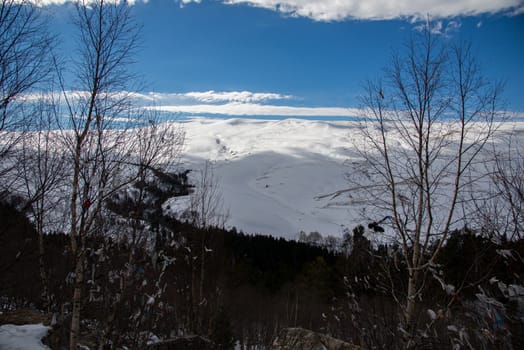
274 175
270 172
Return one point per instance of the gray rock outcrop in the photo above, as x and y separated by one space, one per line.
193 342
303 339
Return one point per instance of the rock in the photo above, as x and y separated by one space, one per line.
303 339
191 342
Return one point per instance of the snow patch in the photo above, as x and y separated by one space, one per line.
25 337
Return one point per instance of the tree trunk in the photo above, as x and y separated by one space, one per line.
43 275
201 299
77 302
411 299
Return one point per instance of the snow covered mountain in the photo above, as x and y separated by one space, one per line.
270 173
274 175
278 177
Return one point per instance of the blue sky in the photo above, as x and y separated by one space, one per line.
302 57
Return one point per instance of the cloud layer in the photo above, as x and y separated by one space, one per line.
337 10
210 96
233 103
61 2
230 103
235 96
236 103
255 109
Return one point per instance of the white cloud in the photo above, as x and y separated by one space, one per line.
210 96
159 98
243 103
518 11
453 26
440 27
57 96
437 28
184 2
512 114
337 10
235 96
253 109
61 2
235 103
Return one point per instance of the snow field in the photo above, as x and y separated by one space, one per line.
274 175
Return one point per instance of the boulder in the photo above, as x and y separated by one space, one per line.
304 339
191 342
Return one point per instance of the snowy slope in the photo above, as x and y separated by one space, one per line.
271 173
275 176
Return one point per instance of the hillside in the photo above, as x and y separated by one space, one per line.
274 175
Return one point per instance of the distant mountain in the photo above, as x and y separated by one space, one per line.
280 177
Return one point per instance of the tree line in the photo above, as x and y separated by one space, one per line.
250 286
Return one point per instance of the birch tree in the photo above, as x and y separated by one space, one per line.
106 42
426 124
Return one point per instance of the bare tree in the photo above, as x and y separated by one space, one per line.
427 123
207 207
206 210
111 143
508 178
155 150
107 40
502 211
41 168
25 47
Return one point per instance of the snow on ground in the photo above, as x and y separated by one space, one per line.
271 172
26 337
275 176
